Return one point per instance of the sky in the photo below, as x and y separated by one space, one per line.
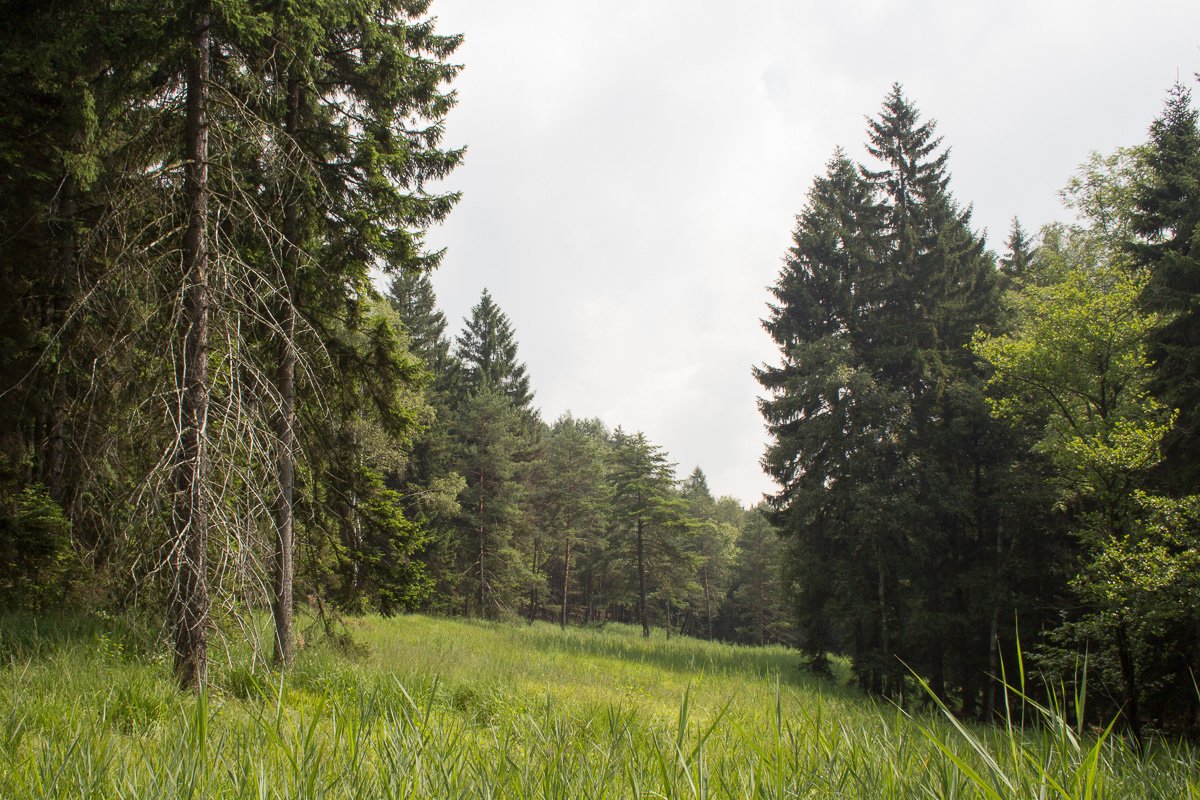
634 170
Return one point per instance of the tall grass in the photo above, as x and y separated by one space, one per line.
425 708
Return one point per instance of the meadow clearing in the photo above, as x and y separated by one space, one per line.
421 707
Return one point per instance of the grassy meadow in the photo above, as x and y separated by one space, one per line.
417 707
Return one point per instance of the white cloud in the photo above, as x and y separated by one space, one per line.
634 170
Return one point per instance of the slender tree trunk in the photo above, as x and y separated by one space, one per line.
482 547
643 612
989 695
566 584
760 612
884 633
190 512
533 592
707 603
64 280
286 423
589 613
668 625
1129 679
993 680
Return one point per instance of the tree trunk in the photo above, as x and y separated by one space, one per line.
993 682
707 603
760 611
190 512
566 584
64 283
641 562
533 592
1129 679
482 546
884 633
286 423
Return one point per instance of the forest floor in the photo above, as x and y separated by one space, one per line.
420 707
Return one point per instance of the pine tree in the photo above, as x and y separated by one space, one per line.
428 480
712 540
411 294
648 523
488 437
570 500
756 611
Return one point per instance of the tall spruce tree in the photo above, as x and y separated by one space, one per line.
833 425
1166 220
883 447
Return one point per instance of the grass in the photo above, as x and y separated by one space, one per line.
431 708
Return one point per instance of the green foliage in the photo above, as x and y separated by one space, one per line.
35 549
570 501
1076 364
488 437
487 355
1166 245
891 474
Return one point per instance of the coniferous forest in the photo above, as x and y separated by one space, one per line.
228 395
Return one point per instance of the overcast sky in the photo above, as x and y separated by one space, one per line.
634 170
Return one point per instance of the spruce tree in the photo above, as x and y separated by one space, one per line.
833 425
411 294
487 353
882 443
1015 263
1166 220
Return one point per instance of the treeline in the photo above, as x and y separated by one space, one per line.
208 408
982 460
569 521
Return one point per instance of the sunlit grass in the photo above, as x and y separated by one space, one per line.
421 707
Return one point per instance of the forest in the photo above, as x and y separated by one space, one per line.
227 391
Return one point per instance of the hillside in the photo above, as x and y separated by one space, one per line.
422 707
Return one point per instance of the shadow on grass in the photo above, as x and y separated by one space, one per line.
26 636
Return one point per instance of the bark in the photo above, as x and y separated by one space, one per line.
286 422
993 682
884 641
707 604
482 549
760 611
190 513
64 280
1129 679
566 583
533 592
643 612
